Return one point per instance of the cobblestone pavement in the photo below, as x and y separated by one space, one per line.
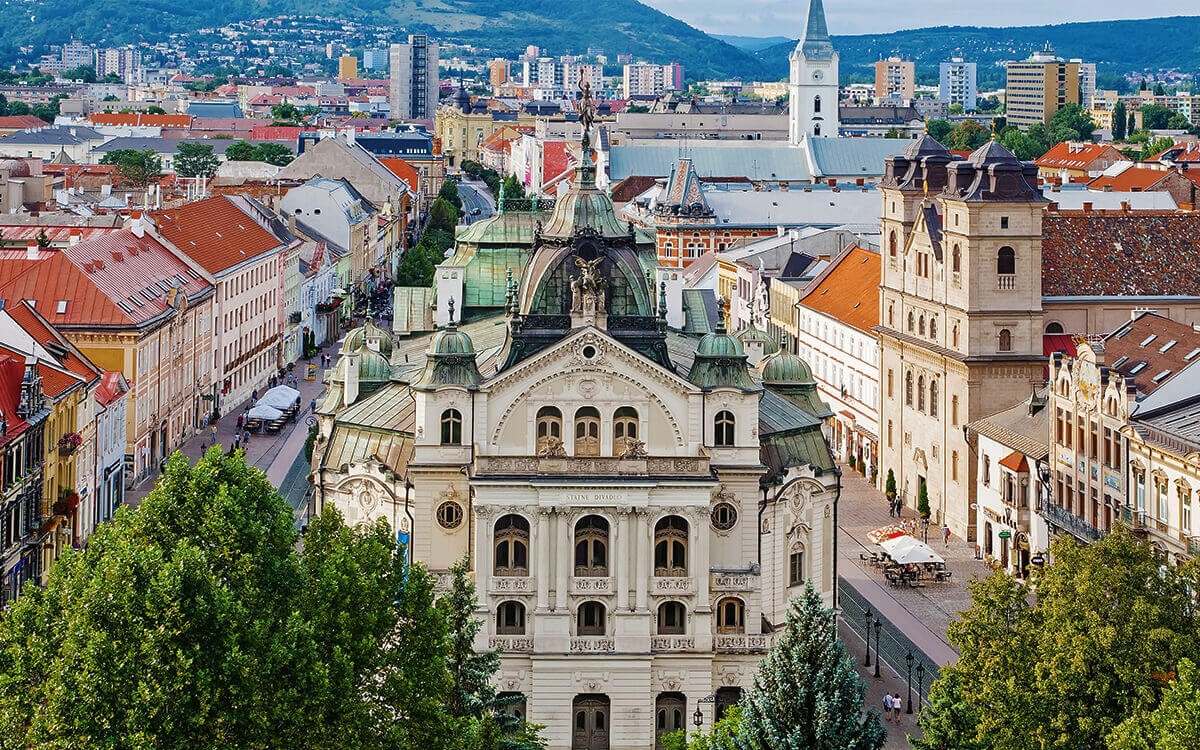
925 613
888 682
272 454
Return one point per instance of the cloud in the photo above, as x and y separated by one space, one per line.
785 17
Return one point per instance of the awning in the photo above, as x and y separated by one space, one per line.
880 535
908 550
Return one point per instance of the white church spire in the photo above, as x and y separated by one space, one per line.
813 90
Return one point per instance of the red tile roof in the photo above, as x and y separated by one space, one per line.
1150 349
138 119
114 280
56 381
1133 179
1015 461
12 371
1074 155
21 122
42 332
403 170
57 235
849 290
215 233
556 159
278 132
112 386
1142 253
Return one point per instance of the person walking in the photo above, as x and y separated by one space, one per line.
897 704
899 508
213 431
887 706
891 508
241 420
946 534
313 405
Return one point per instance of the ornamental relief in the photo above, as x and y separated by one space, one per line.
730 675
669 681
513 681
591 682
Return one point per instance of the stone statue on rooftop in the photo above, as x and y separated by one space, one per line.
587 113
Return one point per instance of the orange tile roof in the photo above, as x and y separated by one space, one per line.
139 119
1015 461
849 290
21 122
1133 179
42 332
403 170
215 233
112 386
1072 155
55 380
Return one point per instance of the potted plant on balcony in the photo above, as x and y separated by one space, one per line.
69 443
890 487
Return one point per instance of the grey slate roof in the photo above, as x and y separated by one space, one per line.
756 160
1020 427
214 109
52 135
853 157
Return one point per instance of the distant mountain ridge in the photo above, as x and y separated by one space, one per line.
751 43
559 26
1116 46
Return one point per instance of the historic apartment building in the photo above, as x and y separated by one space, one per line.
960 313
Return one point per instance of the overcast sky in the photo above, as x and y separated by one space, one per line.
783 17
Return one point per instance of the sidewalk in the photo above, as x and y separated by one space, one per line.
272 454
923 615
888 682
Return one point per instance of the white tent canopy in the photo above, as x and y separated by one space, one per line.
280 397
262 411
906 550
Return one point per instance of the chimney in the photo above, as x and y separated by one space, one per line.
74 236
1087 206
832 182
292 223
31 250
859 182
137 228
1124 205
350 387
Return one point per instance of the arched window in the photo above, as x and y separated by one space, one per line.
510 618
921 325
1004 342
672 618
625 429
549 425
921 393
954 411
817 129
723 429
731 615
590 619
1006 261
451 427
956 259
796 567
890 316
954 335
912 319
933 328
670 546
669 716
816 105
511 540
933 398
892 243
587 432
591 547
1054 328
908 389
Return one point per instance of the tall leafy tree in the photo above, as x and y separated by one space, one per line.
806 692
134 167
1174 725
1062 664
1118 118
196 160
449 193
240 151
950 722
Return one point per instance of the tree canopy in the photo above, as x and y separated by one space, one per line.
1063 663
134 167
196 160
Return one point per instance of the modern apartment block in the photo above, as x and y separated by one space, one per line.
414 79
956 83
646 79
1087 83
1039 87
347 67
895 78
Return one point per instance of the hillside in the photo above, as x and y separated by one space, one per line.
751 43
1155 44
627 26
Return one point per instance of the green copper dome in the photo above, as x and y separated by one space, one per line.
585 206
787 368
449 361
373 367
752 335
721 362
367 334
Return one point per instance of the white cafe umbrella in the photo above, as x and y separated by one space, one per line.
280 397
906 550
262 411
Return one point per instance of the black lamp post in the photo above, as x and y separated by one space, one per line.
908 659
925 530
920 682
867 658
878 629
698 719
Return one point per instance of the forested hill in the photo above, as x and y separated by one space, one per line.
1155 44
559 26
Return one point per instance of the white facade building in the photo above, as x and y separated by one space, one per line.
956 83
813 91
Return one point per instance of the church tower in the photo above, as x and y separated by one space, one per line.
813 89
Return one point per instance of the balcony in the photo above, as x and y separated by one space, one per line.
672 643
592 644
668 585
741 643
517 643
1006 281
592 466
587 585
1070 523
510 584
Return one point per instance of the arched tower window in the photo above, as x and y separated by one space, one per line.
1054 328
587 432
510 619
1004 342
908 389
591 547
670 546
590 620
921 393
892 243
549 425
817 105
625 429
933 398
451 427
723 424
672 618
511 535
731 615
817 129
956 259
1006 261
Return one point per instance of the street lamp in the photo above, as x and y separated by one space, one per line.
867 658
698 719
878 629
920 681
925 529
908 659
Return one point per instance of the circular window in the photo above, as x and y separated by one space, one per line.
724 516
449 515
589 352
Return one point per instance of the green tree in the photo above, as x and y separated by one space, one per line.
286 112
1118 118
1072 123
1155 117
134 167
1160 90
443 215
48 112
1130 124
1178 122
85 73
723 735
196 160
922 500
892 133
274 153
950 722
513 188
416 266
1021 144
449 193
1173 725
956 109
1154 147
240 151
154 109
1063 663
890 484
18 108
939 130
968 135
806 691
